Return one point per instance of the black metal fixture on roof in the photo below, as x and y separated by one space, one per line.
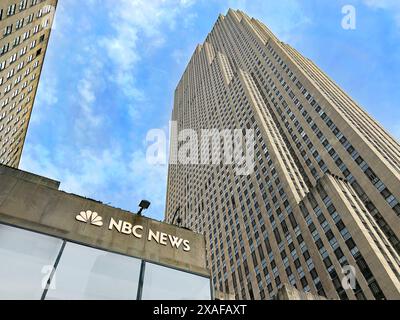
144 204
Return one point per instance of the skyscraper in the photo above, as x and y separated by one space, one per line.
24 34
320 212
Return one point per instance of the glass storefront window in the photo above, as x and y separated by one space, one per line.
161 283
84 273
26 261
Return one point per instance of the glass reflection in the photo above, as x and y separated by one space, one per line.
90 274
161 283
26 261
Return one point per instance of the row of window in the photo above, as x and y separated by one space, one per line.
12 8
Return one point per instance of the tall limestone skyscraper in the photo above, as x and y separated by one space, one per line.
321 210
24 33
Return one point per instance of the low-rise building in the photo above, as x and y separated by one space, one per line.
56 245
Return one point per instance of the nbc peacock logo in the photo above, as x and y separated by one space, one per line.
90 217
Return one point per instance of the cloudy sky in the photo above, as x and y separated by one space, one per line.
112 67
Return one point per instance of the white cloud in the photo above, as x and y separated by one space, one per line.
384 4
186 3
132 177
391 5
46 98
86 88
284 17
38 159
138 26
150 180
189 20
83 162
182 55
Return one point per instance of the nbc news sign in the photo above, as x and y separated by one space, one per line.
124 227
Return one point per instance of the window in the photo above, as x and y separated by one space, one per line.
385 193
13 58
23 4
85 273
26 259
30 18
165 283
11 10
17 41
19 24
365 270
376 291
8 30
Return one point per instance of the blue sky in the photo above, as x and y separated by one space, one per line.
112 67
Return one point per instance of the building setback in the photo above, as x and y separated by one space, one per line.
325 189
24 34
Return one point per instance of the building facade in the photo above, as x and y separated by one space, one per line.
24 34
322 205
287 292
60 246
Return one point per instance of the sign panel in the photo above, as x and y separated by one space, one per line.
33 203
137 231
